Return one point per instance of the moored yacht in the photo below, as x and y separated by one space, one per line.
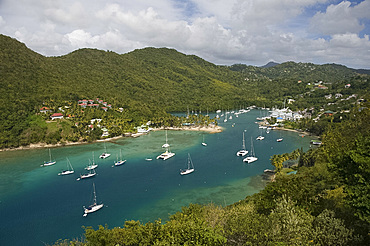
69 169
105 154
251 158
92 173
190 167
243 151
120 162
94 206
166 155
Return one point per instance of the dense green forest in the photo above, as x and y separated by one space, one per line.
145 85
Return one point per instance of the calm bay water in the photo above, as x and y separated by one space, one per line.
37 206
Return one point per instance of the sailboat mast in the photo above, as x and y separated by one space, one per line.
94 201
243 141
252 149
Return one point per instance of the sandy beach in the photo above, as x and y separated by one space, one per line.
209 129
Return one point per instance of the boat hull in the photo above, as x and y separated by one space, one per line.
49 163
119 163
104 155
92 209
242 153
165 155
250 159
66 172
187 171
91 167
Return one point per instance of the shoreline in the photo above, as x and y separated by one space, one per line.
303 133
211 130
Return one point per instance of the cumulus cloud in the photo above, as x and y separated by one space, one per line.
341 18
2 22
222 32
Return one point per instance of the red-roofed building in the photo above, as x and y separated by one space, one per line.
105 109
56 116
44 110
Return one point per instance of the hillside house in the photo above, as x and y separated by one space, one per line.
322 87
328 96
290 101
44 110
338 95
56 116
328 113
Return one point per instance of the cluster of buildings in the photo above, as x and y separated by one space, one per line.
285 114
94 104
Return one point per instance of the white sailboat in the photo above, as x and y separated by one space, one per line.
167 154
69 169
92 173
166 145
280 138
120 162
204 143
50 162
190 167
243 151
252 156
92 165
94 206
105 154
260 137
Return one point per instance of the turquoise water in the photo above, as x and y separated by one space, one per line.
37 206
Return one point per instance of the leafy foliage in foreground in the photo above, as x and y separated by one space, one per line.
325 203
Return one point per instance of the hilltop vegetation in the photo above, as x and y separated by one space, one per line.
141 85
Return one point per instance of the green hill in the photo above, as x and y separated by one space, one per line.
146 83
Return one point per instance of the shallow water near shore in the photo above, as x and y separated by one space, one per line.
37 206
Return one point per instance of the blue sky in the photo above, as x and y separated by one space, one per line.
251 32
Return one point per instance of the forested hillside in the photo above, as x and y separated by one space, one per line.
144 84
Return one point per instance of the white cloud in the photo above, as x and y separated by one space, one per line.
2 21
222 32
259 16
341 18
80 38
